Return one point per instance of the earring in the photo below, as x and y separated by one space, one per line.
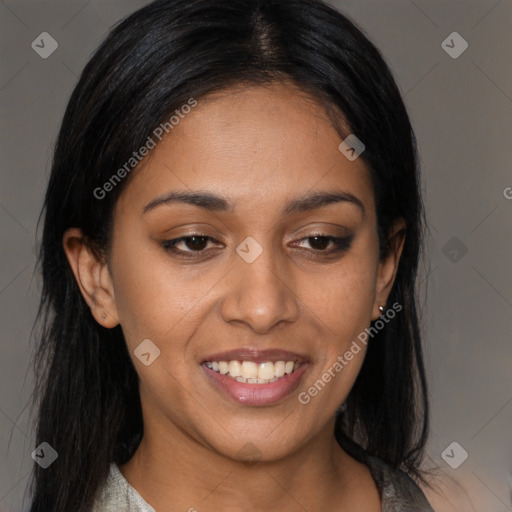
381 309
103 316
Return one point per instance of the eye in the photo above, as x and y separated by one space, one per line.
195 245
319 243
196 242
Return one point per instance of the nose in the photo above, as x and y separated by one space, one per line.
260 294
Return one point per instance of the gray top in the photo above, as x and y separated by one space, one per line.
117 495
398 492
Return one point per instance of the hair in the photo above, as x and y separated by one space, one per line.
150 64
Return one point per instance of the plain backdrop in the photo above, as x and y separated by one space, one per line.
460 103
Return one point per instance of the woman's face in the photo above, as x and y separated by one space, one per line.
259 282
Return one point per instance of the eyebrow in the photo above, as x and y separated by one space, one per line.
209 201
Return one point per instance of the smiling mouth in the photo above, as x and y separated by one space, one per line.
249 372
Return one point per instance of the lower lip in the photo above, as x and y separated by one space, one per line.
256 394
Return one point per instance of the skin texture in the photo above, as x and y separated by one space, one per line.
260 147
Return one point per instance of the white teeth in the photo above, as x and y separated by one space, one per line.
223 367
235 369
249 370
279 367
266 371
253 373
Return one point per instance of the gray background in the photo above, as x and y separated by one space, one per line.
461 110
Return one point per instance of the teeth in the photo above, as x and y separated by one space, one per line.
266 371
279 368
235 369
223 367
253 373
249 370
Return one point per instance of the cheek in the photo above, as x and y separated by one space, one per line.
343 297
343 302
155 303
149 293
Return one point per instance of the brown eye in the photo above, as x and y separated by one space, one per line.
194 245
319 243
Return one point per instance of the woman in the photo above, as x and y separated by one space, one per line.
231 237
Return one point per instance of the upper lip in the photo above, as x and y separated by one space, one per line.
257 355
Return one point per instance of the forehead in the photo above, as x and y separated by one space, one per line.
258 145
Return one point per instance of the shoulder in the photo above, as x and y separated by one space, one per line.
398 491
117 495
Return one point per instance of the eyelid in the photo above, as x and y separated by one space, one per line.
341 244
319 229
175 241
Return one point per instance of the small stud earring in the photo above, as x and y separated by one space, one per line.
103 316
381 309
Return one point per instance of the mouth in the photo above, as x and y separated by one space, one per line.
249 372
255 377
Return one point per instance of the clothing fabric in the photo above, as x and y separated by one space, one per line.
117 495
398 492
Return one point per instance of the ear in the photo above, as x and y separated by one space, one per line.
93 277
389 265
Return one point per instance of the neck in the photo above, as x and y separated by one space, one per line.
169 466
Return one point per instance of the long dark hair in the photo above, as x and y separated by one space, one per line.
151 64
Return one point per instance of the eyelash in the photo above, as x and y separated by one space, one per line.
340 245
